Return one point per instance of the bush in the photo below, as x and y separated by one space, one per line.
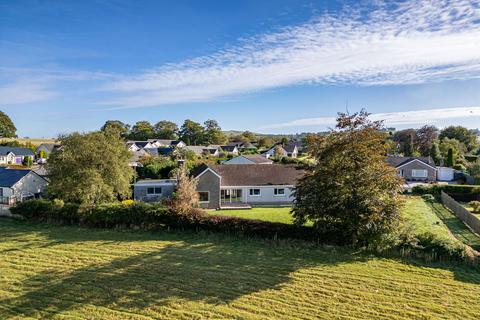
157 216
475 206
428 197
448 188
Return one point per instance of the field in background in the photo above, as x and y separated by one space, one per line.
33 141
66 272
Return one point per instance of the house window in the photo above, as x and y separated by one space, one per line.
255 192
204 196
279 192
152 191
419 173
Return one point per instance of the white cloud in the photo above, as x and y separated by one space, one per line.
402 43
428 116
21 92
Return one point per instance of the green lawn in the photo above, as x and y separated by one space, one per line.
281 214
73 273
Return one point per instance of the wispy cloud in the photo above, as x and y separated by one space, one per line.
27 85
427 116
392 43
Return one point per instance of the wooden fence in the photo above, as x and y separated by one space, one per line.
463 214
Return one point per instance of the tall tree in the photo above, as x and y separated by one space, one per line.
350 168
142 130
116 127
435 154
458 148
425 137
90 168
213 133
405 140
192 133
462 134
166 130
7 128
450 159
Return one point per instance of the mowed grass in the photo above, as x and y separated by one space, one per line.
73 273
276 214
433 217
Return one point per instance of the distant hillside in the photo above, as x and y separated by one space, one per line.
34 141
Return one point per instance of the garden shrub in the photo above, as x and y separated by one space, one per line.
448 188
475 206
428 197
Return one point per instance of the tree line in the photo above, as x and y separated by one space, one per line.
447 147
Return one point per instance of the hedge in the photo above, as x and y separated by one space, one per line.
157 216
451 189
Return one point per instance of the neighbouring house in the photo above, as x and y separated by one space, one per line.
289 150
17 185
47 148
243 185
151 190
137 145
233 150
166 143
13 155
248 159
137 156
414 168
203 150
242 146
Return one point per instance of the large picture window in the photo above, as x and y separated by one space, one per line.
204 196
416 173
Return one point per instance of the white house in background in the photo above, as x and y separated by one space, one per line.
157 143
289 150
137 145
11 155
17 185
248 159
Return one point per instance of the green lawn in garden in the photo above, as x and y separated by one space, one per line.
53 272
276 214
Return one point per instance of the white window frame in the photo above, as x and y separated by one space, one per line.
208 196
251 194
154 191
276 194
416 171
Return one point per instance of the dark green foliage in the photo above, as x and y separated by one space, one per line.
116 127
166 130
213 133
435 154
450 160
467 137
456 191
351 190
27 162
7 128
142 130
156 168
192 133
157 216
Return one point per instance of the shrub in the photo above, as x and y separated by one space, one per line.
475 206
156 216
448 188
128 202
428 197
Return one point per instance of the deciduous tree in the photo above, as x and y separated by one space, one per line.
141 131
213 133
351 190
192 133
462 134
90 168
166 130
7 128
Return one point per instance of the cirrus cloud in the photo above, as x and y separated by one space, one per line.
392 43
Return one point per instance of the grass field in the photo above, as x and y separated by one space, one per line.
281 214
68 273
33 141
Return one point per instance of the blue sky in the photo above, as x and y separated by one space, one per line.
279 66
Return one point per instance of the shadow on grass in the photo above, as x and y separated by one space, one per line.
456 226
211 270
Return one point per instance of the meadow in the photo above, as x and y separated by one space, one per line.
67 272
